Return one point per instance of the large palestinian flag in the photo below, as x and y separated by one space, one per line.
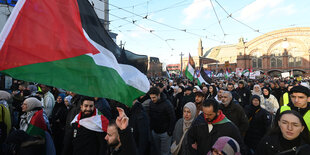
63 44
190 68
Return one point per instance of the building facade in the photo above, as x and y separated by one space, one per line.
154 68
285 50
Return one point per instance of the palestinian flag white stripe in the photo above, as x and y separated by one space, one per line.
9 23
131 75
96 123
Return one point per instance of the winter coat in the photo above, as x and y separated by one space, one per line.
73 111
103 106
128 146
140 124
58 123
273 144
58 118
259 124
270 104
235 113
177 135
235 95
21 143
177 103
162 117
199 133
245 96
83 141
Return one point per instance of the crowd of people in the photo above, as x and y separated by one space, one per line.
226 117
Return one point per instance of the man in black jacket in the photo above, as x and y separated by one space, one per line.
208 127
244 94
231 88
88 131
140 125
234 112
162 120
119 137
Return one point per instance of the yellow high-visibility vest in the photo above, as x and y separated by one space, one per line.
285 98
306 117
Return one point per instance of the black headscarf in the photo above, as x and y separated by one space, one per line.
266 96
252 109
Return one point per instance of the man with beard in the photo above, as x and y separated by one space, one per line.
119 137
234 112
199 98
89 128
209 126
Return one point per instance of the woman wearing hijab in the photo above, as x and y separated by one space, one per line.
179 136
290 136
35 123
259 123
32 107
268 101
225 146
256 90
58 122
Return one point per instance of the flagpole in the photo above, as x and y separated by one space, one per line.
181 75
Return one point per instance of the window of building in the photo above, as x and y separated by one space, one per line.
294 62
297 62
291 62
276 58
273 62
254 63
257 60
279 62
260 63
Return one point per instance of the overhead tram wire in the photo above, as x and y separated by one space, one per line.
231 13
183 30
230 16
139 4
175 5
150 31
217 18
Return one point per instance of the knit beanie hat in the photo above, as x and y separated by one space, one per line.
226 145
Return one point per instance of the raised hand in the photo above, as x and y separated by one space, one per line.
122 119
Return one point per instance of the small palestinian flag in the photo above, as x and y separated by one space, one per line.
190 69
37 124
63 44
97 122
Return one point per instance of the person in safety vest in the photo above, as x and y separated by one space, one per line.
300 96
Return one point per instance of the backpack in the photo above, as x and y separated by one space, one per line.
3 127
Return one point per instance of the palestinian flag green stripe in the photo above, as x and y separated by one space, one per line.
79 74
189 72
35 131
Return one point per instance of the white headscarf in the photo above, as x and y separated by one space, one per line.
256 92
32 103
192 107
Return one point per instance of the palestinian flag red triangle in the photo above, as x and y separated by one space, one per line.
63 44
